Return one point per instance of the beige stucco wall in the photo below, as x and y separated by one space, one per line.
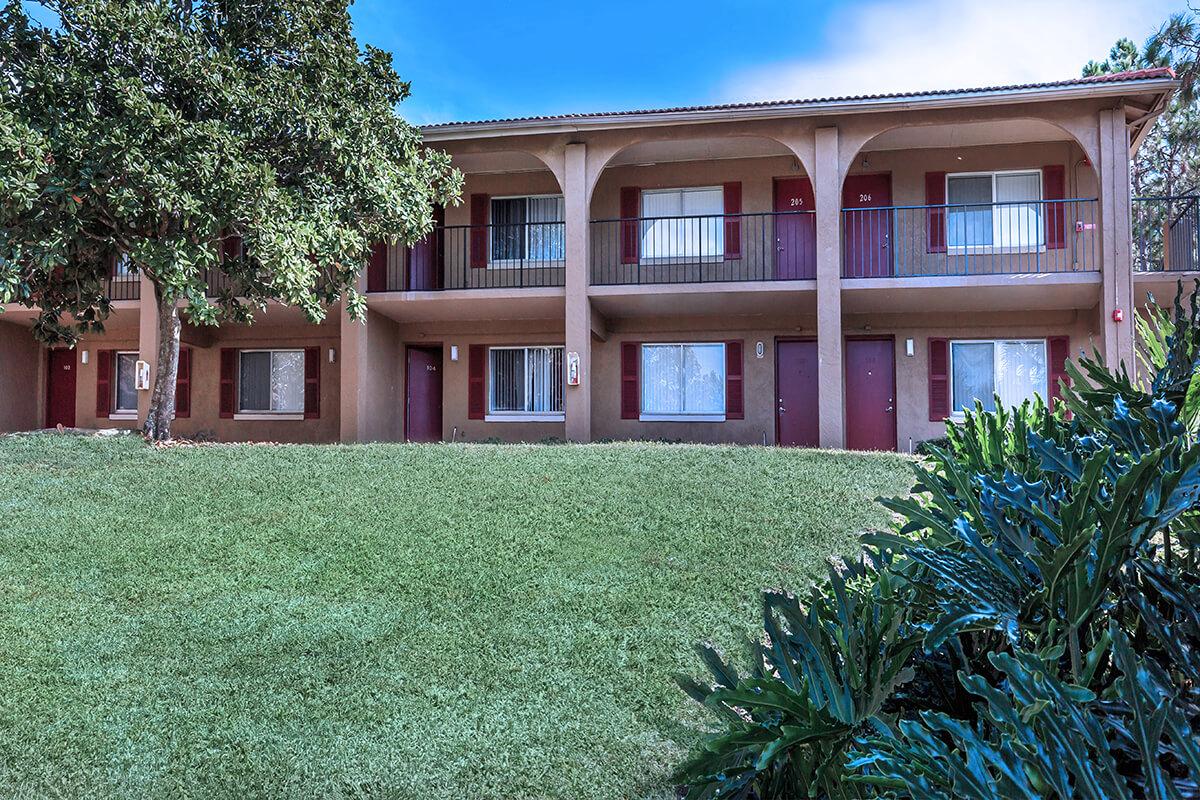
85 380
20 369
205 419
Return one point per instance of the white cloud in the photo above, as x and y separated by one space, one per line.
893 45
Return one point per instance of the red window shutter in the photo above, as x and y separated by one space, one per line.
631 390
939 379
104 387
481 205
733 222
377 268
631 237
183 384
935 218
1054 191
735 407
112 265
228 391
476 381
231 247
1059 350
312 383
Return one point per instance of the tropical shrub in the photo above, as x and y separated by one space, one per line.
1029 628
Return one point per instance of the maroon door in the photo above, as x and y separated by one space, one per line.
867 245
795 233
425 259
60 389
423 400
870 394
797 423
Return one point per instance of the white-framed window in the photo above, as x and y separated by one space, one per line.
271 382
525 383
683 382
982 369
125 396
683 224
527 229
995 211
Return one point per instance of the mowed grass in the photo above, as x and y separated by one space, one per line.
469 621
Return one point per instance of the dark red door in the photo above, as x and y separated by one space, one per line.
423 401
60 389
795 233
867 235
425 258
870 394
797 423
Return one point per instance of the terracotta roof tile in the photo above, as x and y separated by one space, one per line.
1115 77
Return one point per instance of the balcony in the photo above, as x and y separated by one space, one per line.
935 241
493 256
704 249
1166 234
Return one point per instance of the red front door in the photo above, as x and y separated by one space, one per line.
867 235
797 423
795 233
425 257
423 395
60 389
870 394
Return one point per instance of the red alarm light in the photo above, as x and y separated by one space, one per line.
1118 315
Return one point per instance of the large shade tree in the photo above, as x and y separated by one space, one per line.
253 140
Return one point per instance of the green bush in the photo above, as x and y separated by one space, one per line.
1031 628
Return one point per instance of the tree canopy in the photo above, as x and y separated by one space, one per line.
165 131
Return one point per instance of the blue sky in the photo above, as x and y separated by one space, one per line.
477 60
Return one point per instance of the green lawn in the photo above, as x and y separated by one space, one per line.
448 621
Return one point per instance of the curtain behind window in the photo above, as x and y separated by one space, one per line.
508 379
974 375
1018 225
970 226
254 382
683 379
1020 371
508 231
546 231
698 230
287 381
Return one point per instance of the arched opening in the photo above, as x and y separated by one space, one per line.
509 231
994 197
701 210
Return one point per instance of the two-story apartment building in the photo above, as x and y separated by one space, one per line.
841 272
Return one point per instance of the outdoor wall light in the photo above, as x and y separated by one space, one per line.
83 357
332 355
454 352
759 349
908 348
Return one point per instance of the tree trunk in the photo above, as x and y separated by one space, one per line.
162 398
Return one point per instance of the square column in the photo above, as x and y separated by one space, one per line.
1116 240
827 189
147 342
577 400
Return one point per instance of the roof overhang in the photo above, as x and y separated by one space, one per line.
1160 88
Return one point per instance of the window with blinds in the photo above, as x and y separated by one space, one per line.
683 380
1013 370
271 381
525 380
683 223
527 229
126 399
995 211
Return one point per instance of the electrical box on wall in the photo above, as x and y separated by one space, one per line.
141 376
572 369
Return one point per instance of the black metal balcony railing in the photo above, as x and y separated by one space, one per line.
1025 237
125 286
496 256
771 246
1166 233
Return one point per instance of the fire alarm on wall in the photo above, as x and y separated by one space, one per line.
1118 315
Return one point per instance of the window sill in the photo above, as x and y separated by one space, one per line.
991 250
525 418
123 416
275 416
682 260
681 418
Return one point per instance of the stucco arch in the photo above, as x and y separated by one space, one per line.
475 159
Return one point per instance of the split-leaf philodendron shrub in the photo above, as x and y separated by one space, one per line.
1030 628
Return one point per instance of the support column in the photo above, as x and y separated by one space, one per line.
1116 240
351 367
577 400
147 342
827 189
